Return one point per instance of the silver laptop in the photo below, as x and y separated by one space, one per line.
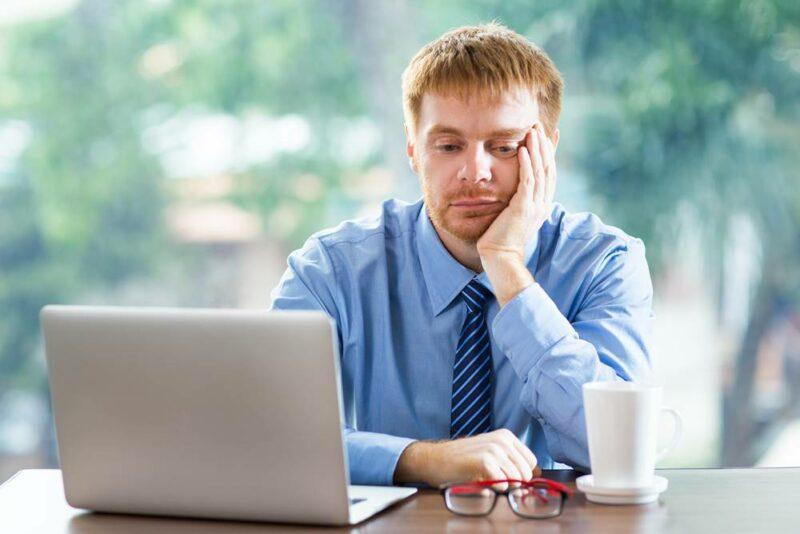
226 414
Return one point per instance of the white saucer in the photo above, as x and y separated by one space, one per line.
638 495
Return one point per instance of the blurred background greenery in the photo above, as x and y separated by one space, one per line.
172 152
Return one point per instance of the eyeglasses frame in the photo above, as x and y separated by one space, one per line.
565 492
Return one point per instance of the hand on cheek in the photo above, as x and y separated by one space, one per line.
531 204
502 246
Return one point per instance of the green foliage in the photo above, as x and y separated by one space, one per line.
83 209
698 92
671 108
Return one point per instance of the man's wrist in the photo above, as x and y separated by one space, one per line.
413 464
507 272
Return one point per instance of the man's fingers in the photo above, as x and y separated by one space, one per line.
548 157
538 166
543 148
526 180
523 466
508 467
528 457
493 471
522 457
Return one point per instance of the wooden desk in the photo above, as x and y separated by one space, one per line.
698 500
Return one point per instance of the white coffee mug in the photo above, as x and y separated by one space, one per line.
622 420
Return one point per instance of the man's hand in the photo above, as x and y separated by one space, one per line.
494 455
502 246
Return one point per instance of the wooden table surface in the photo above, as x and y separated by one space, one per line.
698 500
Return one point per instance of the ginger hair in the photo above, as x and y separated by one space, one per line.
482 61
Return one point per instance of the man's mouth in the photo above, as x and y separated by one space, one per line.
477 206
474 202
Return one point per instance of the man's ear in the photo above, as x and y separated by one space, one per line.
410 150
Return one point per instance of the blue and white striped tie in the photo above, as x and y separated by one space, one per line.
471 407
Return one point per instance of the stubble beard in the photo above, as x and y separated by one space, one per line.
466 229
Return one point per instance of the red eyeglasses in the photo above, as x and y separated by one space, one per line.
539 498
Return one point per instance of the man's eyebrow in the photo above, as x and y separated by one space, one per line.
437 129
508 132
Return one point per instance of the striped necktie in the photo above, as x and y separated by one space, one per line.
471 407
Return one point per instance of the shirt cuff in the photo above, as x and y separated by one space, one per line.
373 457
528 326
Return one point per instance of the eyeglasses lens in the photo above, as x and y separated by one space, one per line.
536 502
469 500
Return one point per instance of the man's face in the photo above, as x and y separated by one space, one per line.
465 153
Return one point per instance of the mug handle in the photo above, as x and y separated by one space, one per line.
676 433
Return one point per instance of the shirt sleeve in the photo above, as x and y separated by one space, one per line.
309 283
607 340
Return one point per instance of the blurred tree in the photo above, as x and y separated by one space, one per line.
686 114
81 209
693 110
84 203
383 37
702 113
688 118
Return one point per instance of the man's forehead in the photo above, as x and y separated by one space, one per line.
509 114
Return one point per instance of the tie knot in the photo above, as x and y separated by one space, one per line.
475 295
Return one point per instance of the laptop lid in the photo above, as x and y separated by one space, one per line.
192 412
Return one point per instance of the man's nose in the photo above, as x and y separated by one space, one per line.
477 166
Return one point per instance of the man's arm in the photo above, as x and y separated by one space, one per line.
309 283
607 340
553 358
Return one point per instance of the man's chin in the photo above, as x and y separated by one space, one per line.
469 230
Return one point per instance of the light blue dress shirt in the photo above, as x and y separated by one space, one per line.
393 290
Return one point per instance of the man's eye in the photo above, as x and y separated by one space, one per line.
506 150
447 148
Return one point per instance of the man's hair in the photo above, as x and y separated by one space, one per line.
482 61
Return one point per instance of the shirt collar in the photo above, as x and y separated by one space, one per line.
444 276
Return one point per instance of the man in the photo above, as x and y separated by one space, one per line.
469 321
